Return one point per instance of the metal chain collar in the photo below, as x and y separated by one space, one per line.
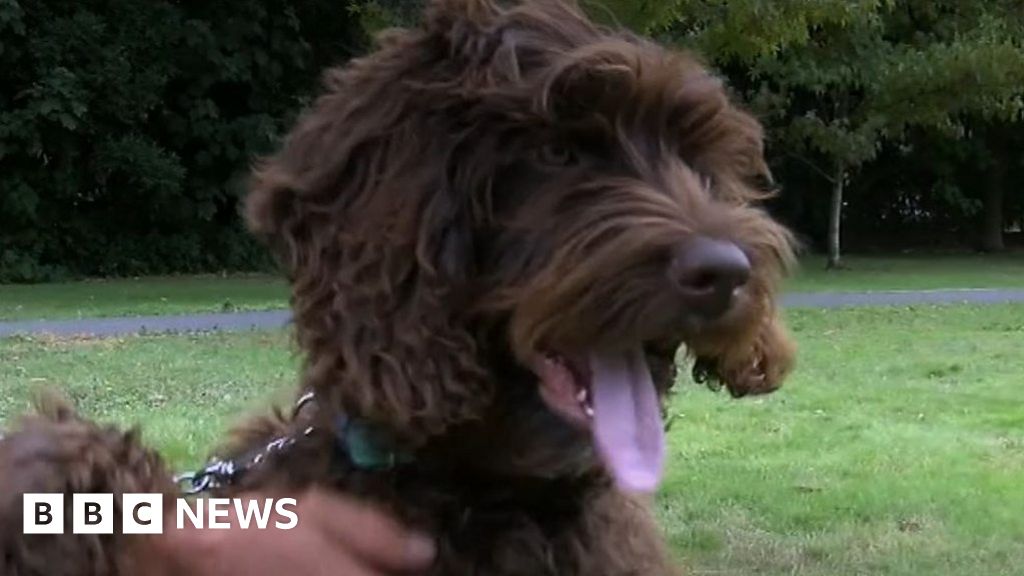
220 473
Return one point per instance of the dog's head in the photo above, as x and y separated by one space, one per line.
509 190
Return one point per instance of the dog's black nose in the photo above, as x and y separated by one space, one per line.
707 273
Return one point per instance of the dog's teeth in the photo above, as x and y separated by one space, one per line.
583 397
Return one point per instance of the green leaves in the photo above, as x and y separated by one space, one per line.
847 75
848 83
842 75
127 124
11 23
376 15
58 97
929 85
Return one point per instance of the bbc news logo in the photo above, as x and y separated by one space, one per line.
144 514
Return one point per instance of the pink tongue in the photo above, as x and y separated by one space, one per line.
627 419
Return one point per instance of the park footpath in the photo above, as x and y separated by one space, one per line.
244 321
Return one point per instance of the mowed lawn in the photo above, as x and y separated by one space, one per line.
202 294
896 449
158 295
911 272
183 391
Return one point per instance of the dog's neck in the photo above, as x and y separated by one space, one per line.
368 447
518 438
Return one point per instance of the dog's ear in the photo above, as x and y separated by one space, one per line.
361 208
446 237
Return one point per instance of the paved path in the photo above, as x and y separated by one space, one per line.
231 321
902 298
240 321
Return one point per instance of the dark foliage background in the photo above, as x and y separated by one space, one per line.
127 127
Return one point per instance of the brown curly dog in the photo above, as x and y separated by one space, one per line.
500 227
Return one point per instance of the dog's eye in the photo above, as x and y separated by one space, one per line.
556 154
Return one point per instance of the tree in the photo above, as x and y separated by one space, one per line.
127 128
835 79
380 14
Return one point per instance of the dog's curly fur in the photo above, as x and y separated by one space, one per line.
505 179
56 452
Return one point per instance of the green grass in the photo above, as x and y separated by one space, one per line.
191 294
183 390
142 296
911 272
896 449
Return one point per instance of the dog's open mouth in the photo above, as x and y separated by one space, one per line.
613 395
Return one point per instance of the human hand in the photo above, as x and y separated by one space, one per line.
336 535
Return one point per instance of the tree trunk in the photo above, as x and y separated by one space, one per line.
995 194
835 217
